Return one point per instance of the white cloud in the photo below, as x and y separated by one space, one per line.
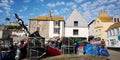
51 5
74 6
24 8
60 3
78 1
1 11
55 4
118 3
71 4
94 4
4 5
26 1
111 6
88 15
102 2
4 1
11 2
112 1
31 14
7 8
86 6
43 14
55 12
36 9
99 8
64 10
41 0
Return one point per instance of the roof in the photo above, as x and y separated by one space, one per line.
115 25
105 19
91 22
45 18
76 16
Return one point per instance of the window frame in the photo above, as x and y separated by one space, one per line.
75 33
56 31
56 23
75 23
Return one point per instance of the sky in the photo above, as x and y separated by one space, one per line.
27 9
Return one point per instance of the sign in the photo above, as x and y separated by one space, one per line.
118 37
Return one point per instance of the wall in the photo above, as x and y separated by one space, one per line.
83 32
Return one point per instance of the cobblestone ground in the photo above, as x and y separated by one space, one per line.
74 57
114 55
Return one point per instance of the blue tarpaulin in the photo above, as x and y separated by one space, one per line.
118 37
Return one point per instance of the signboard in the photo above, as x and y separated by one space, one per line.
119 37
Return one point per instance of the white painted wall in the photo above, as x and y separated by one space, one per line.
82 25
91 29
51 29
62 29
83 32
113 37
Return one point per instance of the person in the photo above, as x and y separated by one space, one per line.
84 47
103 43
104 52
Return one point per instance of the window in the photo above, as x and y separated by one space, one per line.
114 19
56 23
75 32
117 29
75 23
110 32
56 30
118 20
113 42
107 34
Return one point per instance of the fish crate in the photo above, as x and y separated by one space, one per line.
5 42
36 48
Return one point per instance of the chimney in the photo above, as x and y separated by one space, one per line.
49 14
103 13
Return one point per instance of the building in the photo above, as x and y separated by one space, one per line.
116 19
48 26
113 35
76 26
14 24
91 28
102 22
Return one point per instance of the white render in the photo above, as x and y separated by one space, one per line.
83 32
91 28
46 28
82 25
51 29
116 19
112 38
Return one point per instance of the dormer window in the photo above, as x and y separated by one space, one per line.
75 23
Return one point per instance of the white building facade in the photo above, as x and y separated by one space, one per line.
113 36
91 28
48 27
116 19
76 25
56 28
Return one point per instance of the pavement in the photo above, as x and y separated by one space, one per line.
114 54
